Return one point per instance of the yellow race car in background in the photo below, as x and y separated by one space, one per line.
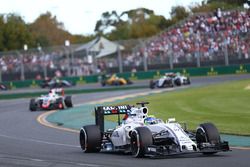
114 80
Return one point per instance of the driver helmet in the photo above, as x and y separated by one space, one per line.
150 120
52 92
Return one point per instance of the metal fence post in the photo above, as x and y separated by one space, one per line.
198 56
226 53
22 77
119 58
197 52
67 45
95 61
0 73
72 61
45 74
171 61
145 58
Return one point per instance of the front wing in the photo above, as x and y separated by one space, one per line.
206 148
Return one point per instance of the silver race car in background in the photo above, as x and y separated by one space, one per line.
169 80
51 101
144 135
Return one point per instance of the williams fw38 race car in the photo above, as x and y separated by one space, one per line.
169 80
55 83
144 135
114 80
51 101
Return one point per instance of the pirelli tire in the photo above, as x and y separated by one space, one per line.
141 138
68 101
90 138
208 133
129 82
177 82
33 106
103 83
151 84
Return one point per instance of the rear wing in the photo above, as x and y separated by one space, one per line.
101 111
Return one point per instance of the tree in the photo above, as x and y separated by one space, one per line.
15 33
1 32
179 13
138 23
47 30
212 6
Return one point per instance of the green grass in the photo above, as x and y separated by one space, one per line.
227 105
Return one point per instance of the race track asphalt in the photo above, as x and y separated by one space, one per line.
24 142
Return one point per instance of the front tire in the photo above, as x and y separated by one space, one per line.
90 138
68 101
33 105
208 133
141 138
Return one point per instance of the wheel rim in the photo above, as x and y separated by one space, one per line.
201 135
135 144
83 140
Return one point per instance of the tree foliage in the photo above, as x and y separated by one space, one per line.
179 13
135 23
47 30
14 32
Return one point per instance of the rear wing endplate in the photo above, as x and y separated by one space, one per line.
101 111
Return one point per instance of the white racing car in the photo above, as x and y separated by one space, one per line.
169 80
51 101
143 135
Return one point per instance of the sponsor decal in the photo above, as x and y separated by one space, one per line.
115 134
108 110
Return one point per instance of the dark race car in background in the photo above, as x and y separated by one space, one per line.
55 83
51 101
170 80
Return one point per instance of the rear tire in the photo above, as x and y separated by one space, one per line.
68 101
177 82
103 83
33 105
90 138
151 84
207 133
141 138
129 82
